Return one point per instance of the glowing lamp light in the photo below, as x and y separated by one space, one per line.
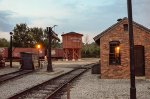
38 46
117 49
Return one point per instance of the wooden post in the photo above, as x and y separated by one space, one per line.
79 53
73 55
66 51
64 54
68 91
49 66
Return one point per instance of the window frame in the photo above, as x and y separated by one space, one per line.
113 58
125 27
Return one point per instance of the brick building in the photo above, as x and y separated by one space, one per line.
114 50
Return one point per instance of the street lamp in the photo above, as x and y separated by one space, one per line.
38 47
131 40
10 49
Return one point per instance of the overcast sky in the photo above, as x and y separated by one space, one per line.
89 17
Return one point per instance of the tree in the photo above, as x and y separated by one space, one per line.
56 44
21 37
29 37
93 50
86 40
38 36
86 45
4 42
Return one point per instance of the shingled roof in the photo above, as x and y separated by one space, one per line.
97 38
72 33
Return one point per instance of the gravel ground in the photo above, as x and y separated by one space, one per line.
7 70
14 86
90 86
72 64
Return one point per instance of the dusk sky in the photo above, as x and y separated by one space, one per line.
89 17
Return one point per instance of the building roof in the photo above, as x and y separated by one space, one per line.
97 38
72 33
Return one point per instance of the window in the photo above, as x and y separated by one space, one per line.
114 53
125 26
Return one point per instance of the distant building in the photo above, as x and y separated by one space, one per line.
72 44
114 50
57 53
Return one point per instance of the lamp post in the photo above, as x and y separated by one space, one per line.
131 40
38 47
49 66
10 49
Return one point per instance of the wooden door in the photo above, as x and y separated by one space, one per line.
139 60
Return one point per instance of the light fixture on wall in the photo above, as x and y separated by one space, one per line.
117 51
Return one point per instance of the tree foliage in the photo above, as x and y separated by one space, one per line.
4 42
21 36
90 50
38 36
28 37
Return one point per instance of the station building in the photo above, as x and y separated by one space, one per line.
115 52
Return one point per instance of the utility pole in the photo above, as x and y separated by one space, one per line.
131 40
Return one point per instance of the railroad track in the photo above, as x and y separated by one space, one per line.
49 88
13 75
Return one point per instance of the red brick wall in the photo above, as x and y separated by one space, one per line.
143 38
118 34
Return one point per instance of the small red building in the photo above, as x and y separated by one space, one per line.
115 53
72 43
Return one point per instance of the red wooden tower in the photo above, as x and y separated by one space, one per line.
72 43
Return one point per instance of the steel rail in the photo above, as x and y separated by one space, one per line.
12 75
53 82
65 84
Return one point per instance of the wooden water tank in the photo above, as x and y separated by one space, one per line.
72 44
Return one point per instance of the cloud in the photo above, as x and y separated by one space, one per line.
5 35
141 12
5 24
9 19
92 15
70 15
83 16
